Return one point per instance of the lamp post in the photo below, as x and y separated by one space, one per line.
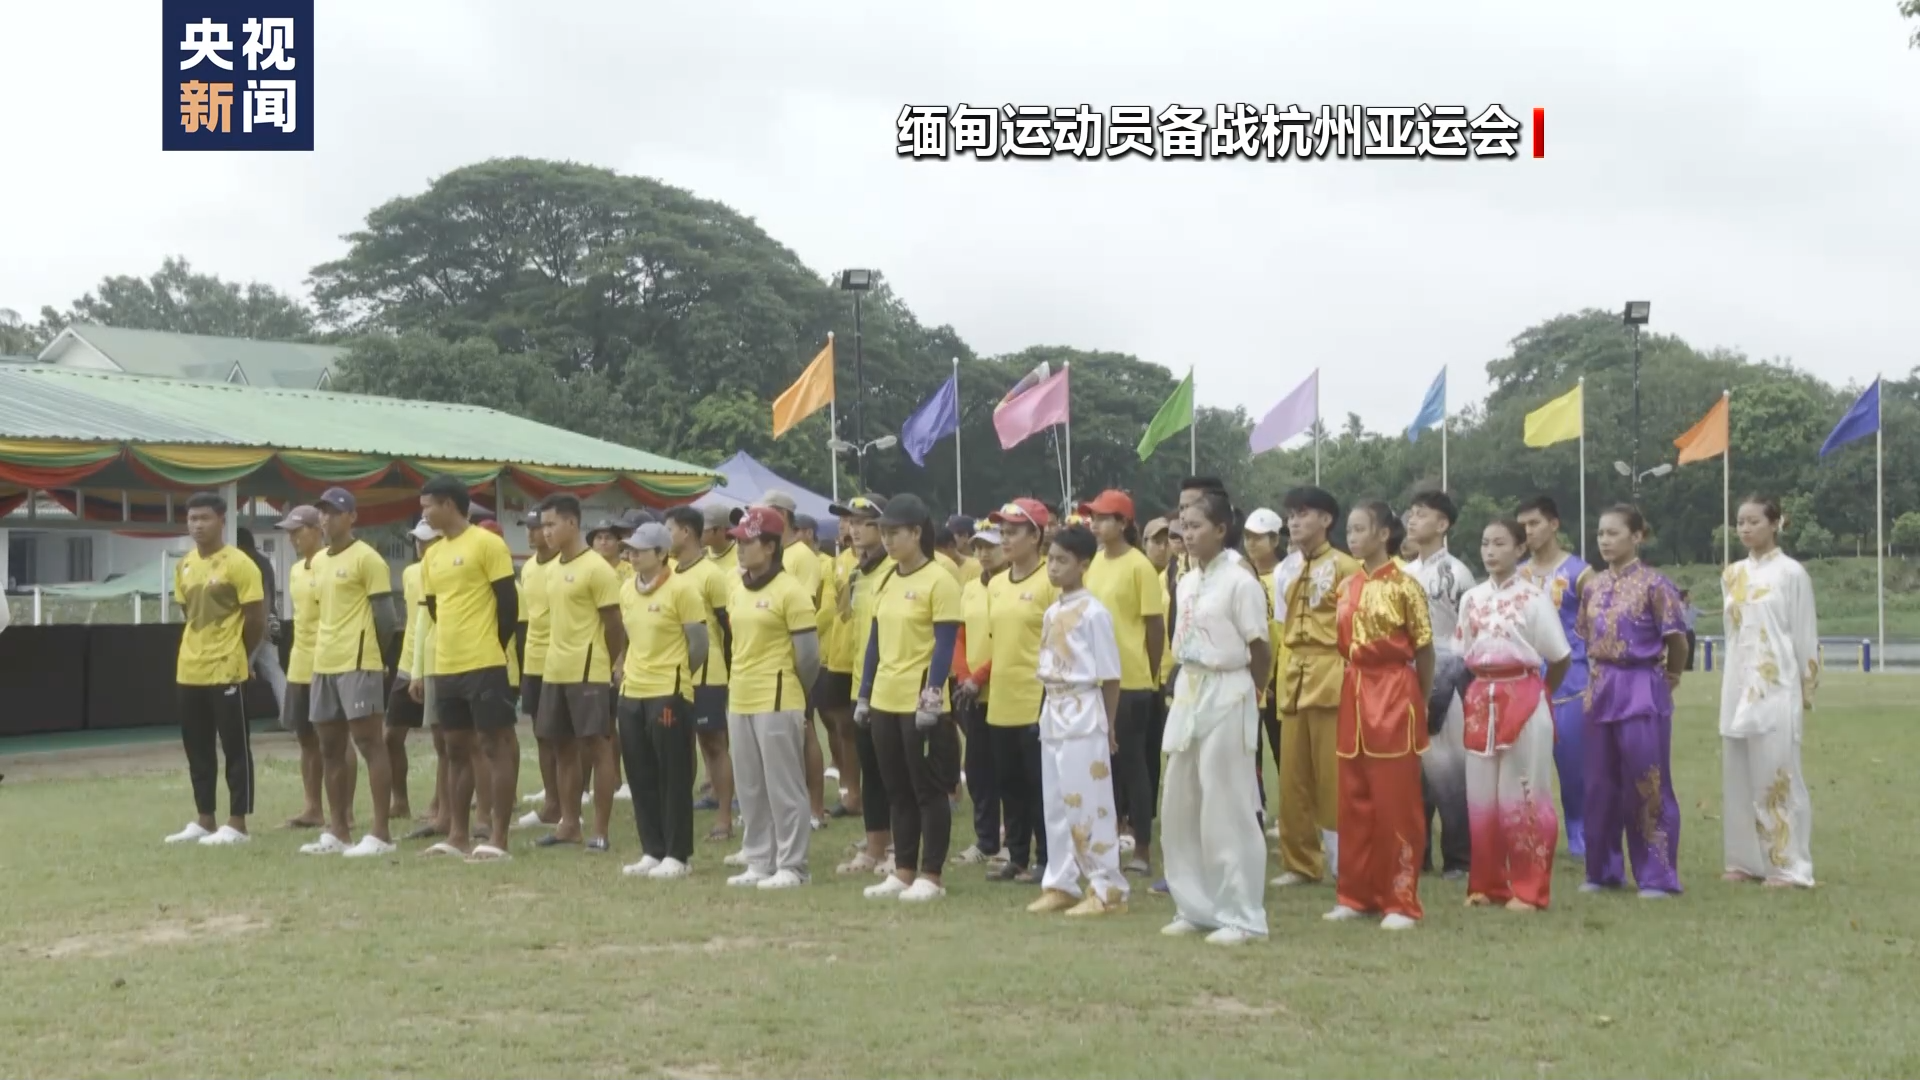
857 282
860 451
1627 471
1635 316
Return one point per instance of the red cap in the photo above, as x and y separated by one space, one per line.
757 522
1115 503
1022 512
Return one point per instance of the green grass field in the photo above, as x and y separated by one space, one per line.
125 957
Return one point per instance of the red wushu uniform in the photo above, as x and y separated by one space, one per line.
1381 623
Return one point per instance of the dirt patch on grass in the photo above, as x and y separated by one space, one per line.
1209 1005
162 933
713 946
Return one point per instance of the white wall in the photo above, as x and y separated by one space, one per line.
78 354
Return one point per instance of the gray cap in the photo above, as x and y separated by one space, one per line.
779 500
717 516
805 523
651 536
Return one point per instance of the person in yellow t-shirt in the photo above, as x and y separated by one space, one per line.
685 527
1017 602
946 552
1309 693
533 615
1126 584
832 691
804 566
608 538
972 667
585 632
220 592
715 521
405 715
467 581
303 528
1265 537
665 617
357 621
964 529
903 698
866 565
776 657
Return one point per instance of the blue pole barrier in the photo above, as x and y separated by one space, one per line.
1708 655
1866 655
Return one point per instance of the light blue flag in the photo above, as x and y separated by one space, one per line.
1432 410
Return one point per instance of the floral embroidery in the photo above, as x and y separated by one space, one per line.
1649 789
1773 825
1406 876
1099 771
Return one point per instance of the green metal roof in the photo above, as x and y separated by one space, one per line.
205 358
46 401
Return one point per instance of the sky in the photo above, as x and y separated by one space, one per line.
1748 167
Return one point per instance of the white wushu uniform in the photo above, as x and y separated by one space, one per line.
1772 668
1216 858
1078 652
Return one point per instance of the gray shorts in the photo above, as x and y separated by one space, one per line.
349 695
295 710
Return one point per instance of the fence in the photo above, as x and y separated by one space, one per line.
1855 653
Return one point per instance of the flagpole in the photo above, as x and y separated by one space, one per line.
1193 428
1880 512
833 426
1316 427
1443 428
1726 486
1068 369
958 494
1583 468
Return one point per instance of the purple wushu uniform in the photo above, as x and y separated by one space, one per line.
1625 618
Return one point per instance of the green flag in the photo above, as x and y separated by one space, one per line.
1173 418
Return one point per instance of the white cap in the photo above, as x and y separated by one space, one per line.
988 535
1265 522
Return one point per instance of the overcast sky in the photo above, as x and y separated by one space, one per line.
1751 167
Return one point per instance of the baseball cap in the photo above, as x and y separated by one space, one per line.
905 510
1156 527
960 525
650 536
805 523
423 531
300 517
867 507
637 517
779 500
608 525
1265 522
716 516
1022 512
337 499
1109 502
989 535
759 522
533 519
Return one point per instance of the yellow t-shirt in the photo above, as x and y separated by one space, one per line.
948 564
1166 653
764 678
1129 588
859 626
211 590
533 612
799 562
623 568
1314 671
410 598
303 590
349 639
1018 609
656 623
577 591
1276 628
712 583
973 611
458 575
728 561
905 611
827 615
969 569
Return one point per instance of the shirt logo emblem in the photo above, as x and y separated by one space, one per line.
459 560
653 608
341 573
569 579
761 605
1027 596
911 595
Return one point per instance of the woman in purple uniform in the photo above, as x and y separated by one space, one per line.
1633 622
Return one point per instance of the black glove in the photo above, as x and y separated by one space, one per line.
1450 677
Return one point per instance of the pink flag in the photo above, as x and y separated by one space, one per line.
1295 414
1033 411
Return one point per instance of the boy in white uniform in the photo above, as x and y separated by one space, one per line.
1080 668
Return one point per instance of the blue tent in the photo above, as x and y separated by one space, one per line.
748 480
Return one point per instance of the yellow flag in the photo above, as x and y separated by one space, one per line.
810 393
1706 439
1557 421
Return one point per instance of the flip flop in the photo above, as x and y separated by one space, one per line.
487 853
550 840
423 832
298 823
443 848
718 835
598 843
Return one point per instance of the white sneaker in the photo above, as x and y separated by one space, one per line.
1179 928
1126 843
670 869
536 798
529 820
368 847
224 836
749 876
625 794
1398 922
889 887
1227 935
737 859
785 879
192 833
922 891
1655 894
644 868
1290 878
1343 913
328 844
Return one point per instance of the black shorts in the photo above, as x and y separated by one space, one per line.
402 710
833 690
530 687
574 711
709 709
474 700
294 712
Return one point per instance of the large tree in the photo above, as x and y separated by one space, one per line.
176 298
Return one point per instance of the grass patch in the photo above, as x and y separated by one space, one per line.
121 957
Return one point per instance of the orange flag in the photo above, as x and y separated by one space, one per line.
810 393
1706 439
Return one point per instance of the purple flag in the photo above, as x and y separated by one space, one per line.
1295 414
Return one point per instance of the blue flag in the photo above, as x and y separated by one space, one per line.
935 419
1861 421
1432 410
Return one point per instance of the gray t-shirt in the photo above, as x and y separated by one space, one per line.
1446 580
